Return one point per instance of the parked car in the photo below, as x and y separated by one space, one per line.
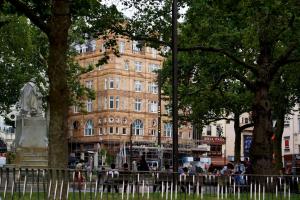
153 165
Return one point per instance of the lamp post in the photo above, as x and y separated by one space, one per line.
174 85
130 138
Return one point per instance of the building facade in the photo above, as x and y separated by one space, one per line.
126 96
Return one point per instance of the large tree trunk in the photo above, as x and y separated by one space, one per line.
59 93
262 148
278 141
237 142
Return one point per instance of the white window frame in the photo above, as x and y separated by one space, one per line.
138 127
153 106
111 128
111 83
89 128
135 47
103 49
126 65
168 130
153 88
138 105
105 84
138 66
89 105
117 102
105 103
89 84
138 86
76 109
122 47
154 53
111 102
117 84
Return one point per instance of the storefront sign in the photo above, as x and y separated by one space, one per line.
213 140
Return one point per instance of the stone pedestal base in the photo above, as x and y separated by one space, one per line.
31 132
31 158
31 142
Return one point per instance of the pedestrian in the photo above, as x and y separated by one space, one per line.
143 166
79 177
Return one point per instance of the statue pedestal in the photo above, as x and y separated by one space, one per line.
31 142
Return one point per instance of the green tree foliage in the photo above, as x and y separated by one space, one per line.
22 58
54 19
254 41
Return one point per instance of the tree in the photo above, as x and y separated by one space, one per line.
54 18
204 97
22 58
284 93
258 38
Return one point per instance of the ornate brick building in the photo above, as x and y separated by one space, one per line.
126 94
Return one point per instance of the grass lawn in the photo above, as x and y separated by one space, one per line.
152 196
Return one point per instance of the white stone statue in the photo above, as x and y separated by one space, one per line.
30 102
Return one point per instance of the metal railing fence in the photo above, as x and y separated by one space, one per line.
38 184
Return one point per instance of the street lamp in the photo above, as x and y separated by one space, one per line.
174 85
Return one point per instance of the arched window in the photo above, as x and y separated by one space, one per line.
88 128
168 129
138 127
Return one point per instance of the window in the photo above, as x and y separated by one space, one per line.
75 125
138 66
89 105
152 132
100 131
154 53
153 106
246 120
287 143
117 83
99 102
117 130
138 128
168 129
105 84
83 48
117 102
122 47
287 121
126 65
180 135
93 45
153 67
153 88
168 109
111 102
138 105
208 130
111 130
105 103
124 131
138 86
111 83
135 47
76 109
215 150
103 48
89 84
88 128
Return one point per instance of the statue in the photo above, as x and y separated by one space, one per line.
30 102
